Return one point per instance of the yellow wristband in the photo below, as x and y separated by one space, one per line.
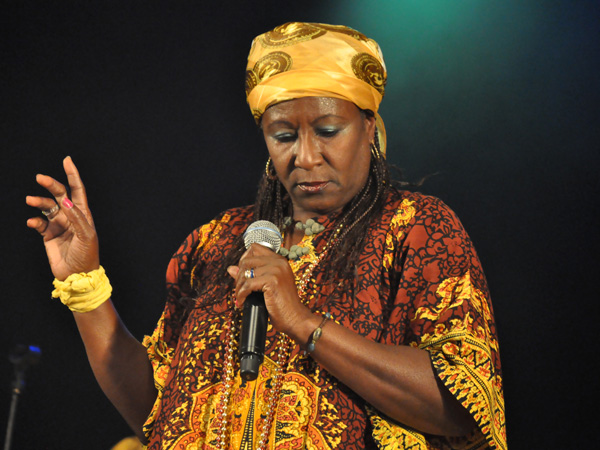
83 292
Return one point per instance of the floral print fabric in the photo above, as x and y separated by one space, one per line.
418 283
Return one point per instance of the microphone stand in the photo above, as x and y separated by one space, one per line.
22 357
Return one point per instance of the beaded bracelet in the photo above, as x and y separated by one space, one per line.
314 337
83 292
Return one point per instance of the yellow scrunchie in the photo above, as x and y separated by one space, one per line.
83 292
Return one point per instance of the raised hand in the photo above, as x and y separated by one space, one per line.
68 230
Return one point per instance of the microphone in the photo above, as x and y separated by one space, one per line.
23 356
254 316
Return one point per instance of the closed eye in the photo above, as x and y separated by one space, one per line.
285 137
327 132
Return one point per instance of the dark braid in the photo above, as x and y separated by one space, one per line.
270 197
265 208
365 207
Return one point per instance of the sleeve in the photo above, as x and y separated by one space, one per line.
162 343
443 306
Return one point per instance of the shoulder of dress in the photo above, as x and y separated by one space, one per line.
239 216
236 215
233 221
418 204
406 209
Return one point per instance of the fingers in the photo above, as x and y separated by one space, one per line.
244 285
44 204
61 212
58 218
68 232
233 271
49 208
259 269
78 194
58 190
262 270
38 224
61 195
78 220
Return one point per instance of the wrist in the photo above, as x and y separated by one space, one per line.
305 326
302 326
316 334
83 292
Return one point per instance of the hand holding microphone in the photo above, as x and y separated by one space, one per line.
255 316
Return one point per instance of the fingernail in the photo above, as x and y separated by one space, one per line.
67 203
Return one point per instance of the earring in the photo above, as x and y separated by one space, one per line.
270 170
374 150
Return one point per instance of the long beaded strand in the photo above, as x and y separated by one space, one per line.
272 397
227 381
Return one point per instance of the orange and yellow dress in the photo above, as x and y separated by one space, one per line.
419 283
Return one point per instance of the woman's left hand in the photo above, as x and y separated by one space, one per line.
273 276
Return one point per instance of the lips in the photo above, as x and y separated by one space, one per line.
313 187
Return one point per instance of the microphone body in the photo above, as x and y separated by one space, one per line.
254 316
253 335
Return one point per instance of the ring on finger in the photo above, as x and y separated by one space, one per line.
48 212
249 273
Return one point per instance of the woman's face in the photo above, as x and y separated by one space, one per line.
320 148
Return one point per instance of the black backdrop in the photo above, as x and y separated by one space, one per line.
147 97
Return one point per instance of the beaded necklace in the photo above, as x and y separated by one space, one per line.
282 350
310 228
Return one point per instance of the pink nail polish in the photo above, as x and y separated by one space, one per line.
67 203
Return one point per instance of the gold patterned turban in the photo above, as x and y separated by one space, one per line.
315 60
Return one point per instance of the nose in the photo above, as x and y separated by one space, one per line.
308 154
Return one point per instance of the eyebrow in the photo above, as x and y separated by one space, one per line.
280 122
326 116
290 125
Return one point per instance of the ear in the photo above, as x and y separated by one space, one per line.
370 122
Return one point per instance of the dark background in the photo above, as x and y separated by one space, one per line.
500 97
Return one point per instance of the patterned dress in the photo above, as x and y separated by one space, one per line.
419 283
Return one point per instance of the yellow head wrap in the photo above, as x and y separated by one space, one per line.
298 59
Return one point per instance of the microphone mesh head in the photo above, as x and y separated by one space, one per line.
264 233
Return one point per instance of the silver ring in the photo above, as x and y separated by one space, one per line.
48 212
249 273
